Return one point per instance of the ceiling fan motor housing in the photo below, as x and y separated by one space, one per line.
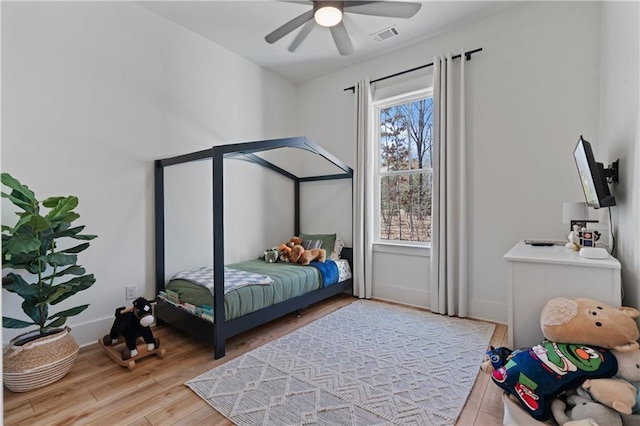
328 13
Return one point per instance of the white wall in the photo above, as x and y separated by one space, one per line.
620 132
92 93
531 92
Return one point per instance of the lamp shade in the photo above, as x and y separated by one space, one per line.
574 211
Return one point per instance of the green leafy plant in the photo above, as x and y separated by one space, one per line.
33 245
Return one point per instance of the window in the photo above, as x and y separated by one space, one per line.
404 171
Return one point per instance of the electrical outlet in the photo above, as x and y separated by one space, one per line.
130 292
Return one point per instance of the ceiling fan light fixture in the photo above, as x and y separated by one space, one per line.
328 13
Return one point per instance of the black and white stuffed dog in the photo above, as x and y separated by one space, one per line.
131 323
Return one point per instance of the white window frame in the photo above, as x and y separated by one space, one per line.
381 245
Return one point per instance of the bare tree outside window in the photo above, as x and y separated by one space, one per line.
406 141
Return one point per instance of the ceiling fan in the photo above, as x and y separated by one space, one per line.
329 14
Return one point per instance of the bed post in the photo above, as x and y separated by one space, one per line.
296 204
159 224
218 254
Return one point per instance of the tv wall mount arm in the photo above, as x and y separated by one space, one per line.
611 172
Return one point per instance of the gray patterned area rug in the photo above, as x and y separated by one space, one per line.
369 363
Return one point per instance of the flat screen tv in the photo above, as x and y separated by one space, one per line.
593 176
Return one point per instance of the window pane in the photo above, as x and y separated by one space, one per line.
406 135
405 207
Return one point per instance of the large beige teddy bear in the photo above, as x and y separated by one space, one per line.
590 322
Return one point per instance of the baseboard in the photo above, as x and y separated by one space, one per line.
488 310
84 333
406 296
485 310
89 332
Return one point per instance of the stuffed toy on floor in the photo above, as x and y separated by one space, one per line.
629 370
581 410
131 323
580 333
540 374
495 358
611 392
620 392
589 322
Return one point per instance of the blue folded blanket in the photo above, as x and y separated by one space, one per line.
328 271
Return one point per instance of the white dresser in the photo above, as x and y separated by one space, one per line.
537 274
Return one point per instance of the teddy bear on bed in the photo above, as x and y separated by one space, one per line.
284 249
131 323
303 256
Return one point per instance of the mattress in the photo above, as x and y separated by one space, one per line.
289 280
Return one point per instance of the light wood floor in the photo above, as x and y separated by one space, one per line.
96 391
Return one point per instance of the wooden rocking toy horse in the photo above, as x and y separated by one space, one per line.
131 324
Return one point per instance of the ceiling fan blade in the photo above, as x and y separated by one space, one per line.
285 29
304 32
341 38
392 9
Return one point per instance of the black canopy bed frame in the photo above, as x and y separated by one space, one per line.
219 330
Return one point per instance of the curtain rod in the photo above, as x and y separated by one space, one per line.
467 55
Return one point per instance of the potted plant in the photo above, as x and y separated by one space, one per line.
40 245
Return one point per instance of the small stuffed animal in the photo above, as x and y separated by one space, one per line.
574 241
285 248
495 358
304 257
581 411
591 323
131 323
538 375
629 370
615 393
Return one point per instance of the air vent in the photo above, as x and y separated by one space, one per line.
385 34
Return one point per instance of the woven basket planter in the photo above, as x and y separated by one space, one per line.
39 362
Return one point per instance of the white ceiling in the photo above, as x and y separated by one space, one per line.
240 26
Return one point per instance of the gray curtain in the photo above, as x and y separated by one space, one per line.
363 194
448 287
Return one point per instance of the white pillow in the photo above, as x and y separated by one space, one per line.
337 250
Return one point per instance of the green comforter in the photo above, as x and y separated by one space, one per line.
290 280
